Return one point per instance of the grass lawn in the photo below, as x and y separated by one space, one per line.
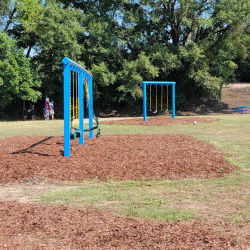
226 199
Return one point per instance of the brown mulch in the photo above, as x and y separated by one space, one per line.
30 226
116 157
161 121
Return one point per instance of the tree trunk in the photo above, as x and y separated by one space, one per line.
23 106
188 39
2 112
10 19
28 52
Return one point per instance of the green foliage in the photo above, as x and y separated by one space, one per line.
197 43
132 75
102 75
29 13
17 78
50 31
55 39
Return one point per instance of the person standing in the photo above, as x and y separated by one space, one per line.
47 110
32 111
51 109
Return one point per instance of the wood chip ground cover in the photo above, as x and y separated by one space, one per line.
117 157
160 121
31 226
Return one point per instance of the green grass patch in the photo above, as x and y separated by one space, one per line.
138 200
166 200
40 127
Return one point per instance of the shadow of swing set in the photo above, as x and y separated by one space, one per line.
75 79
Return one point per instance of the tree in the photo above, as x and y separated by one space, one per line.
17 78
56 38
50 31
197 43
187 41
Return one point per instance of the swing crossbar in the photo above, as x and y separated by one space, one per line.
158 83
145 83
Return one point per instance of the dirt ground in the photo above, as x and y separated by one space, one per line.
36 165
233 95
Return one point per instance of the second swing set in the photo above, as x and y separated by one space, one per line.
161 83
156 100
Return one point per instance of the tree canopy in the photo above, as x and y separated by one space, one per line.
17 77
200 44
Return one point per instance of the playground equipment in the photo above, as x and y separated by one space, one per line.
240 109
145 83
75 78
156 101
167 100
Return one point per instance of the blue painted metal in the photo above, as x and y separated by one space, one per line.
75 66
241 109
91 133
144 83
81 110
144 102
157 83
66 92
69 65
173 100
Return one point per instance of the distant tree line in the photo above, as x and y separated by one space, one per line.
200 44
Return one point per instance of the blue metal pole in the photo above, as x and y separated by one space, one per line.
173 100
81 108
144 102
91 133
66 92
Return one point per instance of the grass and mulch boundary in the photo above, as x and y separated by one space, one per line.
160 121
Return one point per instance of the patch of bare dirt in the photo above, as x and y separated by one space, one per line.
28 189
117 157
29 226
233 95
236 96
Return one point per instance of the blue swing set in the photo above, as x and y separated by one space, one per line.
75 77
144 84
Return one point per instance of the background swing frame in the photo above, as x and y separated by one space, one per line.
144 85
